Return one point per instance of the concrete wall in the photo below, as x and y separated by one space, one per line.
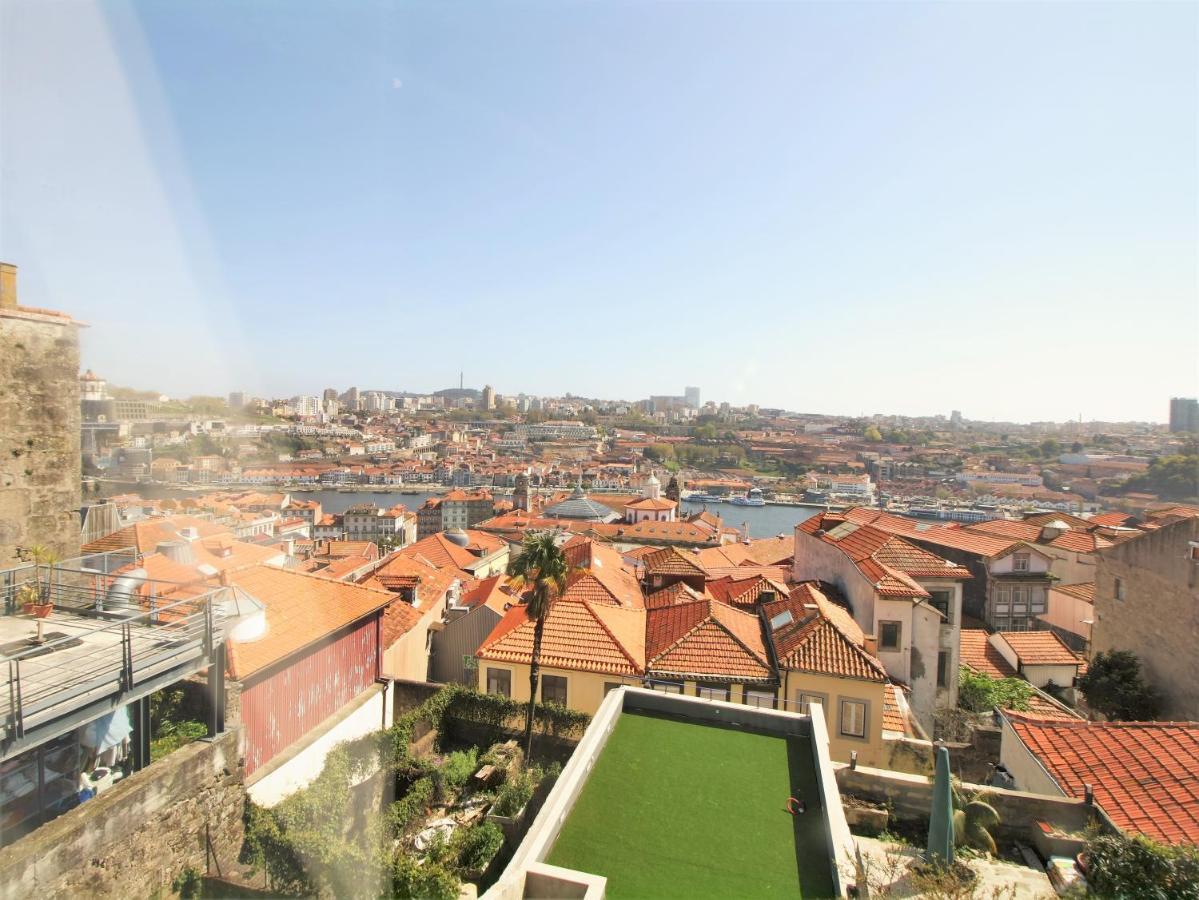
910 798
300 763
136 837
408 657
1070 614
39 434
816 560
1158 619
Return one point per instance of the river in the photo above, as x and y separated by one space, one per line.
763 521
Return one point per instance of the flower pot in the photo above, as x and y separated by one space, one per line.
42 610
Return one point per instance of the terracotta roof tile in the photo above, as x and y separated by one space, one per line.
578 635
1040 648
978 653
824 639
673 561
300 610
706 640
1145 774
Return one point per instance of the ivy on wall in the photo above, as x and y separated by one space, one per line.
305 844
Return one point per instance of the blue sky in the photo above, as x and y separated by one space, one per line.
838 208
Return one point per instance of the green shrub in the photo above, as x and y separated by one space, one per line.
516 792
981 693
408 810
455 772
175 735
188 884
1115 686
411 880
476 846
1136 867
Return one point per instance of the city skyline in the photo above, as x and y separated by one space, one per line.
802 206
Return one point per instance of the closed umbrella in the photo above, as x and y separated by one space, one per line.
940 822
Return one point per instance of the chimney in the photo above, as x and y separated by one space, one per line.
8 286
870 644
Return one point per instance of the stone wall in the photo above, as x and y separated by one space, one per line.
39 433
136 837
1157 618
910 798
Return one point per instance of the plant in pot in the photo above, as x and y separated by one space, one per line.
34 596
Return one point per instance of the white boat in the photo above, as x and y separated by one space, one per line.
752 498
703 498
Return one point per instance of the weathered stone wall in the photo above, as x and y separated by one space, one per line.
136 837
1158 619
39 434
910 797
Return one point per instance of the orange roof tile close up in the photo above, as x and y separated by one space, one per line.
978 653
1145 775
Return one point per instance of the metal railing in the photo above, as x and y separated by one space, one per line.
109 632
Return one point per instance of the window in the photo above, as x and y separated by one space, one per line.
889 634
553 689
712 692
760 699
1020 562
807 701
1119 588
943 602
499 681
1019 600
853 718
1037 603
943 669
667 687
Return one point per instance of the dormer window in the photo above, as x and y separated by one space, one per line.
1020 562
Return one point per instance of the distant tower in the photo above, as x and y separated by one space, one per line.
488 397
653 488
461 380
672 488
92 386
520 496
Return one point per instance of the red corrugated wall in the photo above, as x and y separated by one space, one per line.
285 705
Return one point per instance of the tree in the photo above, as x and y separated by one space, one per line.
1115 686
1050 448
872 434
540 571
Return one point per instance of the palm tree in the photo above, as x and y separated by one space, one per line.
540 571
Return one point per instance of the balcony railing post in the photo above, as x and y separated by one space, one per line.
14 697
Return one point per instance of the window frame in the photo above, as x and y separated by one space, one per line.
944 658
948 594
750 698
882 644
841 718
493 671
565 688
1022 562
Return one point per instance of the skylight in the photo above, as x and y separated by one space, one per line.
781 619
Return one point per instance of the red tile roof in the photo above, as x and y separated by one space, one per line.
1084 591
706 640
672 561
819 637
1040 648
978 653
744 591
300 610
578 635
679 592
1145 774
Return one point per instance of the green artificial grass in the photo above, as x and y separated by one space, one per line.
686 809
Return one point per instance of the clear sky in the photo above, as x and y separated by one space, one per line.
829 207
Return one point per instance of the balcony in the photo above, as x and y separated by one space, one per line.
112 637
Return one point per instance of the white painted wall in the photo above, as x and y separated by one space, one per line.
271 784
1062 676
1025 768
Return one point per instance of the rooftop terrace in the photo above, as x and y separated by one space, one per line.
675 796
673 809
112 637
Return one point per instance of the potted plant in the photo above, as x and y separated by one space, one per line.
34 596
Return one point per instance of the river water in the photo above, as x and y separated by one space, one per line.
762 521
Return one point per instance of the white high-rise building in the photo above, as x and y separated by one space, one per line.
691 395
